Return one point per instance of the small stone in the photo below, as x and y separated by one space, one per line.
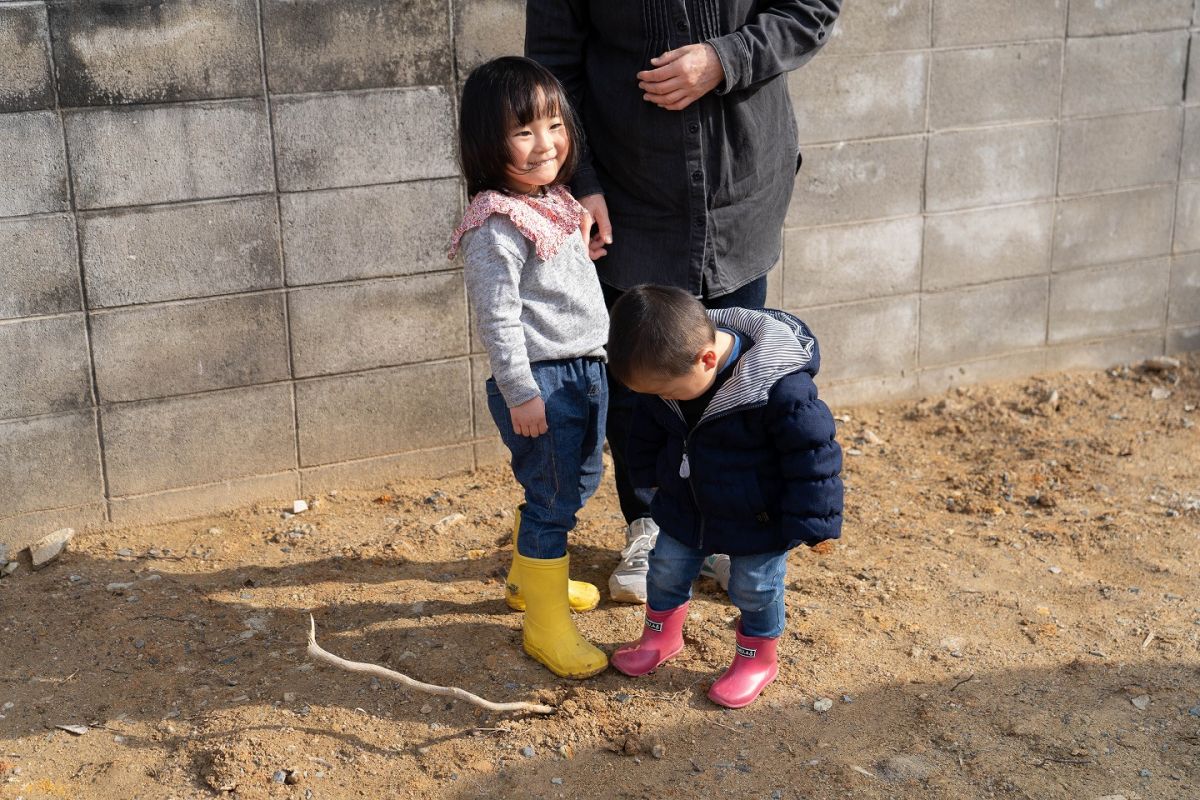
425 709
847 699
822 704
658 751
118 739
50 547
74 578
557 781
1055 570
1194 711
1159 393
854 451
10 567
74 730
621 697
289 697
299 506
293 777
125 552
214 531
527 751
279 777
1143 773
1141 702
138 644
116 587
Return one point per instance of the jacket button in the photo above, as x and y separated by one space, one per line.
693 128
697 176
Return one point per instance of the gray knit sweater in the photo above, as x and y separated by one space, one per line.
530 310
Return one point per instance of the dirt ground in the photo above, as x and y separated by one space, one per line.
1013 611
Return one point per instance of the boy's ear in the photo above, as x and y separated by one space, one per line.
708 358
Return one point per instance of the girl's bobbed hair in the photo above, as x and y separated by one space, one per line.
498 96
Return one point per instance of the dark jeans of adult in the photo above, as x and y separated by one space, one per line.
621 400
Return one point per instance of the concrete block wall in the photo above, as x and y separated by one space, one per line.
222 229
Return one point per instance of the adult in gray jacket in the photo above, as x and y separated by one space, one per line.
690 160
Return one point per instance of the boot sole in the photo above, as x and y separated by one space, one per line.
518 604
533 653
751 700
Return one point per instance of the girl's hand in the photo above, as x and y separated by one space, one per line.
682 76
597 211
529 418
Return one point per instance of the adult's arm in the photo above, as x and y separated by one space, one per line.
779 38
556 33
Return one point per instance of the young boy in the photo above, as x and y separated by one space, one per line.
743 457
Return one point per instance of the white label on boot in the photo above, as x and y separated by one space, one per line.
654 626
745 652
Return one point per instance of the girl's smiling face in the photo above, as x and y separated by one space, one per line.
536 153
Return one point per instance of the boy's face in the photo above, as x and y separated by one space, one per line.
687 386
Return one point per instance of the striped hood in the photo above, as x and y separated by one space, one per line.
782 345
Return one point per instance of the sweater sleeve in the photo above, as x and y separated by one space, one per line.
810 459
782 36
494 255
556 33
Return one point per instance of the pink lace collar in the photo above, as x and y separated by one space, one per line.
547 220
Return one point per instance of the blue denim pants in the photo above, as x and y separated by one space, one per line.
560 469
755 584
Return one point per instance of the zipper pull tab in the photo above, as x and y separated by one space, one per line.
685 469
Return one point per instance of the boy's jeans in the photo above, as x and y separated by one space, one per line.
755 584
561 468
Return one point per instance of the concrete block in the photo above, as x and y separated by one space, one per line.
859 180
33 164
153 351
890 325
988 370
990 166
158 154
1187 218
1111 74
41 274
382 323
958 22
203 501
481 370
1105 153
355 44
25 58
23 530
1110 228
189 441
852 262
971 247
371 232
849 394
1183 340
50 462
109 53
995 84
1185 290
860 96
1189 167
1109 301
487 29
383 412
1101 17
983 321
875 26
379 137
372 473
1104 354
44 366
491 453
148 255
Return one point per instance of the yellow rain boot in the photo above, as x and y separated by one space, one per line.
581 595
550 635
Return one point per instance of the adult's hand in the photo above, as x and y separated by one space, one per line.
529 418
597 211
681 77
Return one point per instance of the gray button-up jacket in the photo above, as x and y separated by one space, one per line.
697 197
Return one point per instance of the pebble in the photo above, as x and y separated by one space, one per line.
10 567
425 709
289 697
658 751
138 644
49 547
1055 570
1159 393
74 578
119 587
125 552
557 781
822 704
527 751
299 506
1141 702
1144 773
279 777
847 699
854 451
75 730
1194 711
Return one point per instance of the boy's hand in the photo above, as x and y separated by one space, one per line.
597 212
681 76
529 418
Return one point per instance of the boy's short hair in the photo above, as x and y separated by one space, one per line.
656 330
498 96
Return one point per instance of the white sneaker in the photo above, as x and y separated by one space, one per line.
717 568
627 584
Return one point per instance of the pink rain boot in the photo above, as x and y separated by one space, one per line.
661 639
754 667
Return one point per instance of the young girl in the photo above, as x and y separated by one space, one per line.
541 316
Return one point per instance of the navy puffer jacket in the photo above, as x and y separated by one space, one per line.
760 471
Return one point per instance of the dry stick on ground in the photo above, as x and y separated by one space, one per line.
316 653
